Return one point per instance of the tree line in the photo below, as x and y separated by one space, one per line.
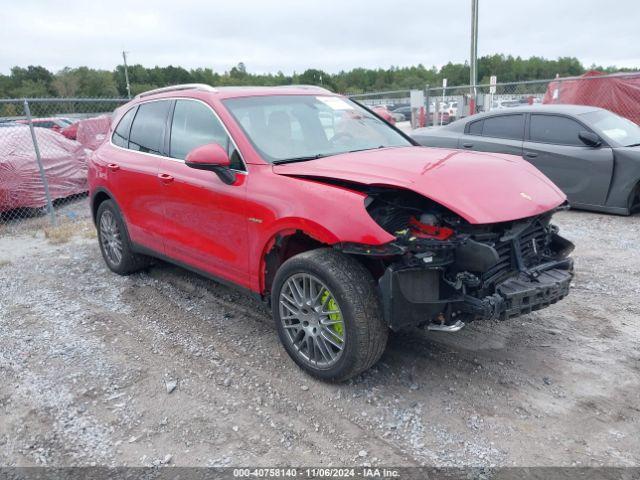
37 81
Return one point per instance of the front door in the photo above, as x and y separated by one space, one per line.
205 219
583 173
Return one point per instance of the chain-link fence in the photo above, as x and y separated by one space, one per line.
619 93
44 148
452 103
45 142
393 100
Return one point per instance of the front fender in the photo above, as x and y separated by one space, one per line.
626 177
329 214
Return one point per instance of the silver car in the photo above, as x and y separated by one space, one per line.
592 154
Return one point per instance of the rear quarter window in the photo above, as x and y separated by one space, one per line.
504 126
120 135
147 131
475 128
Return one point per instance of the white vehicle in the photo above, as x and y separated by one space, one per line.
398 117
452 110
442 107
501 104
516 102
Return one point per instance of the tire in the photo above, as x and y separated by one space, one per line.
350 290
111 230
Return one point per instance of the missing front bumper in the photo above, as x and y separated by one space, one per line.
412 296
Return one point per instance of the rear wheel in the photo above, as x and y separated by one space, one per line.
327 313
114 241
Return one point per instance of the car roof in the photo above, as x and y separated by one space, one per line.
547 108
48 119
233 91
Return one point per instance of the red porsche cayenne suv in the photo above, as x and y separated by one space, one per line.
316 205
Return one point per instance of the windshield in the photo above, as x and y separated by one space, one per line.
616 128
301 127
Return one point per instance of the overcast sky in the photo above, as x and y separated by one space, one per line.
288 35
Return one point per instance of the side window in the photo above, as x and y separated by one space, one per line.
555 129
475 128
148 127
235 158
504 126
194 124
120 136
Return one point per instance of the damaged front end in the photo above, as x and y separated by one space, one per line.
442 271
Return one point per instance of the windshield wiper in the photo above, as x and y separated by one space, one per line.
321 155
368 148
300 159
634 145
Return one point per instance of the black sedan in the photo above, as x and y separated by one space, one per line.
593 155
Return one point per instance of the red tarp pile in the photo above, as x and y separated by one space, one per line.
64 161
619 93
92 131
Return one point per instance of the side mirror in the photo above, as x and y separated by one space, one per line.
214 158
590 139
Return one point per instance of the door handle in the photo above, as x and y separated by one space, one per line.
530 154
113 167
165 178
467 145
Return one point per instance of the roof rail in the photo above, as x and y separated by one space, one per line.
308 87
177 88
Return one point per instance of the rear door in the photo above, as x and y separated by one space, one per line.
205 219
583 173
132 169
498 133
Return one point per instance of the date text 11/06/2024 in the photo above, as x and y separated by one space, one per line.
365 472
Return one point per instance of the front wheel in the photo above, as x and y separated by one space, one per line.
327 312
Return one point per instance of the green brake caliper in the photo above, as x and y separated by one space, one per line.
332 305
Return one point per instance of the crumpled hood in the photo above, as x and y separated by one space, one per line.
480 187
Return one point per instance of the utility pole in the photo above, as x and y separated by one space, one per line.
473 57
126 73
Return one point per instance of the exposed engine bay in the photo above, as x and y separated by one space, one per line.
443 272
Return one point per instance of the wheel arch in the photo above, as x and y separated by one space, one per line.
97 197
293 235
634 198
283 245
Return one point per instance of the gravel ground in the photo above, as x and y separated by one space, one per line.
165 367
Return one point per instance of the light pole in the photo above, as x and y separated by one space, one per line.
126 73
473 57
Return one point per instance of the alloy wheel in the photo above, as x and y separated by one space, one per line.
110 237
312 320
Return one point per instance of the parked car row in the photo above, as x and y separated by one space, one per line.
57 124
383 112
393 113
